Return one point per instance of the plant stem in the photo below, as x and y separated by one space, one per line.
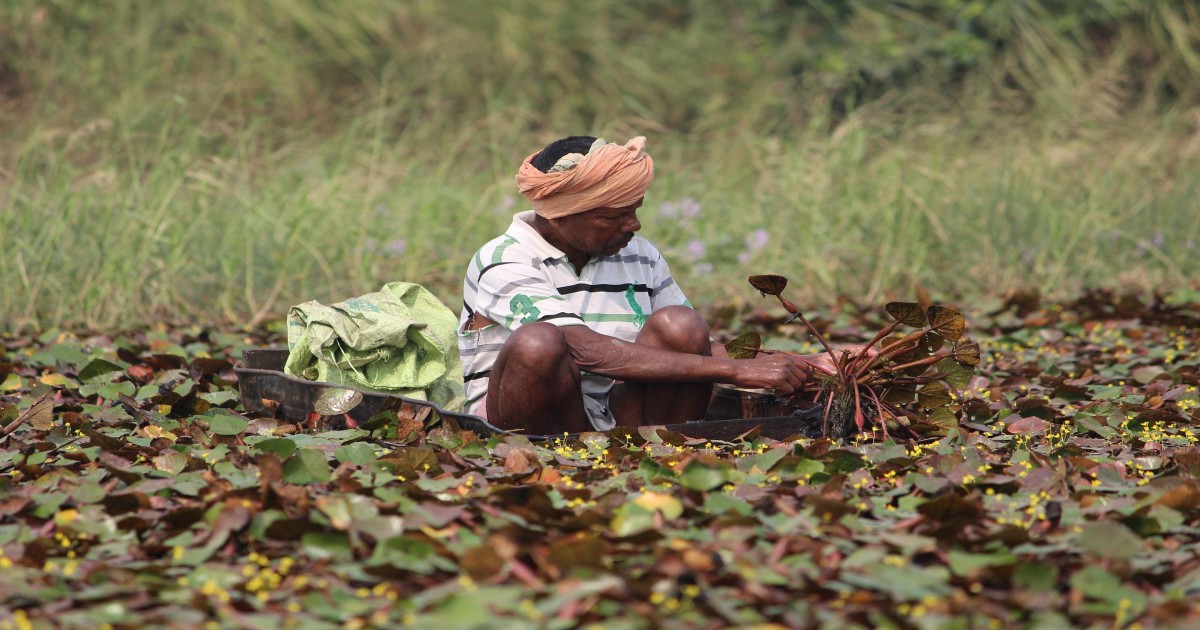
859 417
879 411
929 360
862 352
12 426
832 357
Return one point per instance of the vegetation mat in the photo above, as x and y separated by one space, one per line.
134 493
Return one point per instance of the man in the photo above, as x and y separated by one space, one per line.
570 322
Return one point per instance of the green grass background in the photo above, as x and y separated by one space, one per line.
217 162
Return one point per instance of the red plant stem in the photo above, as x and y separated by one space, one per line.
796 314
828 348
859 416
891 352
12 426
862 352
897 413
825 415
930 360
879 412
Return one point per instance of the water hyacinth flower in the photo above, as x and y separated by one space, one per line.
696 249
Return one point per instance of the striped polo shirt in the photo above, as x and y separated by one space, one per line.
520 278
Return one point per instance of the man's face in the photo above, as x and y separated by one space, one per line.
598 232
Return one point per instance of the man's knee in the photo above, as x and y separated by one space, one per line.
537 347
680 328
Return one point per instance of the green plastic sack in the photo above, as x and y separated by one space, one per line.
399 340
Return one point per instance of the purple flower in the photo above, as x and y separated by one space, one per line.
396 247
689 208
744 257
683 210
696 249
757 240
703 269
1158 240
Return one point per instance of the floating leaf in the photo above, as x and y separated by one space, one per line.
933 396
1108 539
1028 426
281 447
953 373
943 419
907 313
947 322
966 352
225 424
769 284
660 502
899 395
358 453
306 466
699 476
40 416
745 346
99 370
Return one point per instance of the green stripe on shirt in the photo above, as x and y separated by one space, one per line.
498 255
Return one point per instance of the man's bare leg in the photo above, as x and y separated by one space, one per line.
535 384
677 328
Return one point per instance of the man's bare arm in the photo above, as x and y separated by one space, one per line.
614 358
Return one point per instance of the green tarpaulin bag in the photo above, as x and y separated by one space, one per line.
399 340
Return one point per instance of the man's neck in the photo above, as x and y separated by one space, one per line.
548 232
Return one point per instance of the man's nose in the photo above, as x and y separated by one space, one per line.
633 225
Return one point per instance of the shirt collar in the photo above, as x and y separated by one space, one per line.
523 231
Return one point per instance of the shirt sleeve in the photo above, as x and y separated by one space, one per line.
665 292
513 294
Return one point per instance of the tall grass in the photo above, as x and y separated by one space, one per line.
217 162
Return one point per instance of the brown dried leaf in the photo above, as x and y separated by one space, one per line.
769 284
41 415
933 396
907 313
966 352
948 322
1030 425
516 463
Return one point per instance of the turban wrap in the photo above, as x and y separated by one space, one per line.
609 176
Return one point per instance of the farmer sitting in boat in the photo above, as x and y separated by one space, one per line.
571 322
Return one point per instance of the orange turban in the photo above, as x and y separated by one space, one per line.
609 176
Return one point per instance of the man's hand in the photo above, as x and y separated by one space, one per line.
782 372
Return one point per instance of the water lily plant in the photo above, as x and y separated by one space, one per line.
900 379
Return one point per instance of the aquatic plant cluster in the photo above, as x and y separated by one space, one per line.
909 379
